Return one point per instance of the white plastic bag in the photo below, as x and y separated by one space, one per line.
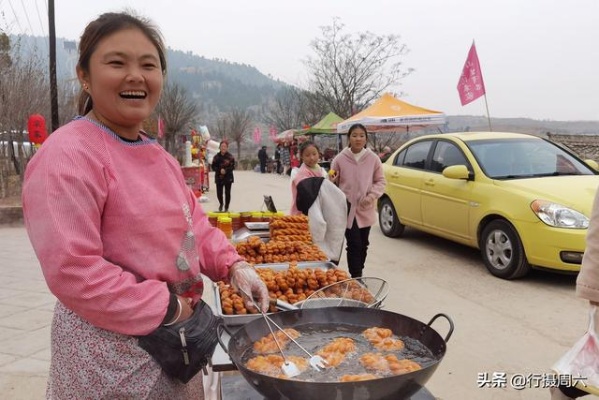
581 362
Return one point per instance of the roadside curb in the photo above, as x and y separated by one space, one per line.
11 215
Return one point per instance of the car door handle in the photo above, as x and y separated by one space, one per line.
430 182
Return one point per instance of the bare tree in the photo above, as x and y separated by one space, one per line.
294 108
221 126
239 123
178 112
5 57
24 90
349 71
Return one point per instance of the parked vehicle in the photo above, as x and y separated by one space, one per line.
524 201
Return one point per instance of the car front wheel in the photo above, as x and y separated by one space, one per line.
388 220
502 251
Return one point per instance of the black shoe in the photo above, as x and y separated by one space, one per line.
220 208
226 210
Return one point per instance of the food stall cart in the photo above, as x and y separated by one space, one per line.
229 376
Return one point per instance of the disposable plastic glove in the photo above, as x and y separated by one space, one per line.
244 278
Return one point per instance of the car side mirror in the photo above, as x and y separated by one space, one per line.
457 172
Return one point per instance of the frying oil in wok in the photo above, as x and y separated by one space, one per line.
314 337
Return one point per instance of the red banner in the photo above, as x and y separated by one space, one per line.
257 135
471 85
272 132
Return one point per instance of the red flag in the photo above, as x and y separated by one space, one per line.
471 85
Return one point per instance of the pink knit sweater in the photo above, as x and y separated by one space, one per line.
360 180
113 223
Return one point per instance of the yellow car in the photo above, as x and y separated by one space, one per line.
524 201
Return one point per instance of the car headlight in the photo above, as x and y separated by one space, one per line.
559 216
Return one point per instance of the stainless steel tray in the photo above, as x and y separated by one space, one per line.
244 319
244 233
257 226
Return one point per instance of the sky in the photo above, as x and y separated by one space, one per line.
539 58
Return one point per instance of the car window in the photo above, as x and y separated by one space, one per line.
522 158
398 160
445 155
416 155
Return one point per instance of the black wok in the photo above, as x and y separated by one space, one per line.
393 387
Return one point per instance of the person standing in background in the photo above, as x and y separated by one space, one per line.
285 160
278 158
223 165
121 239
263 158
358 172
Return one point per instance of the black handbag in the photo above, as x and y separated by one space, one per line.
184 348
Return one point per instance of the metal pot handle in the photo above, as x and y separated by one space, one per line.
449 320
220 327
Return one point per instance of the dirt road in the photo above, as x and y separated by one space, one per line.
504 330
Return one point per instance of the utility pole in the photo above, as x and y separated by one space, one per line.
53 83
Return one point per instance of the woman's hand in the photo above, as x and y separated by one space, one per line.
222 171
244 278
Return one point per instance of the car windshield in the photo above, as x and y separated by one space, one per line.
525 158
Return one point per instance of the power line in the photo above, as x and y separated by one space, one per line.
16 16
27 17
39 17
40 21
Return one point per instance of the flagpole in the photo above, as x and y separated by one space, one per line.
488 116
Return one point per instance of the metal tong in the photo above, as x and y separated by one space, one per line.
289 368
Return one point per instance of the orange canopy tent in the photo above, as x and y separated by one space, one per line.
389 114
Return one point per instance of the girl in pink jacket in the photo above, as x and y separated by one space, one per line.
359 174
310 154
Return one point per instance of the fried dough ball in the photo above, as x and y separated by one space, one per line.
332 359
272 364
388 363
341 345
335 352
356 378
382 339
402 366
267 344
374 362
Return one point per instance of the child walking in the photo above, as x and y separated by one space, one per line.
314 195
359 174
310 155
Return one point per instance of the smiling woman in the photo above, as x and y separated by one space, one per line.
114 226
124 75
